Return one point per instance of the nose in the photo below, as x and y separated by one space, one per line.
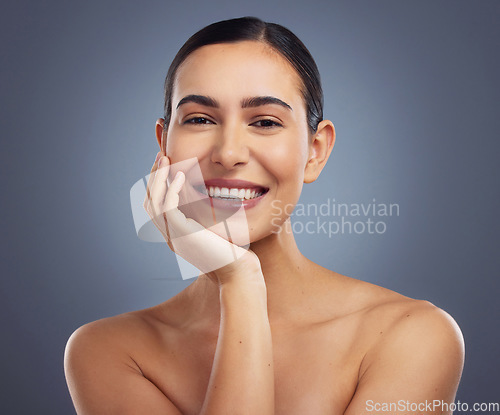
230 149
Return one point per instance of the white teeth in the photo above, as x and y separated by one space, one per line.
232 193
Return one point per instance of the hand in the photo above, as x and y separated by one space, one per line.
220 259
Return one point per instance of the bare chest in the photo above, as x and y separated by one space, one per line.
315 371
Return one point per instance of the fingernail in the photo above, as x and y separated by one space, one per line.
158 156
177 174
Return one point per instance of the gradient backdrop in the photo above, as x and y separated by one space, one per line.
412 87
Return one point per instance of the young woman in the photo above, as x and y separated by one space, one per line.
264 330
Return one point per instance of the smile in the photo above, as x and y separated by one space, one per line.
231 193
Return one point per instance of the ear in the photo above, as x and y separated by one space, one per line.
319 150
160 134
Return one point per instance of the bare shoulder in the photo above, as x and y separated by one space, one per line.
383 308
400 329
111 332
417 325
103 342
410 349
102 368
391 324
406 316
119 337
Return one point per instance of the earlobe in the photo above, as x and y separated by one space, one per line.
160 123
319 150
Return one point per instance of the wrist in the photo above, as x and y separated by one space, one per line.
244 284
246 296
246 270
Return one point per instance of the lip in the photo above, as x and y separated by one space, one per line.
232 204
233 183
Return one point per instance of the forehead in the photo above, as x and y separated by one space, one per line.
234 70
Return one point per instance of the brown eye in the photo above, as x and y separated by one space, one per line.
198 120
266 124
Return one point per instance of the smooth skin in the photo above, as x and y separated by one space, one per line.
270 333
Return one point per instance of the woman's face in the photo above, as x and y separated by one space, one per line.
239 110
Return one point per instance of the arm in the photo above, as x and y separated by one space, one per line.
104 379
413 369
242 377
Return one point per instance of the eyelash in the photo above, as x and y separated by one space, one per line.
274 124
195 119
205 121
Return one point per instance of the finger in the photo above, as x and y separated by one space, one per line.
150 180
167 238
177 222
158 190
187 164
158 194
150 205
172 197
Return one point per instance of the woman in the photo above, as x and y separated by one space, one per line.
264 330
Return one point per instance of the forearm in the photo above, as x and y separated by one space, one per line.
242 378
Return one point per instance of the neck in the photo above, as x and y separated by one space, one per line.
288 274
283 265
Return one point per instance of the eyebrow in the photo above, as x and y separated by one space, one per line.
245 103
258 101
199 99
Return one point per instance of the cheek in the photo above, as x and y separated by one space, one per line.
287 161
180 147
174 147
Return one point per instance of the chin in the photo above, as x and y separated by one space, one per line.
231 221
231 225
234 232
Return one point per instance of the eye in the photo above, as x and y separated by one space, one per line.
198 120
266 123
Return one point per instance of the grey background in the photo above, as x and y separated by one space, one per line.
412 87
